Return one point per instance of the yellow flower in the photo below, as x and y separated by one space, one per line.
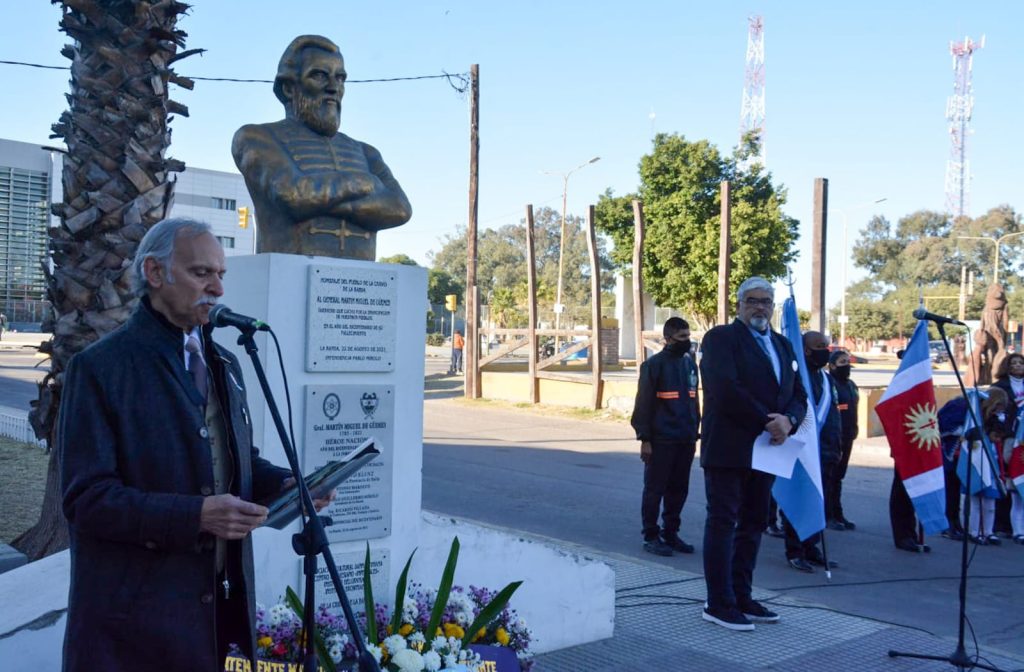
264 642
479 634
502 636
453 630
405 629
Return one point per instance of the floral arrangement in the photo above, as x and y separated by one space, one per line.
457 617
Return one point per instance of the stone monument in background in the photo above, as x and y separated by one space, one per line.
990 339
316 191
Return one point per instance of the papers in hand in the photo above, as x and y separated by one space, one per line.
284 507
778 460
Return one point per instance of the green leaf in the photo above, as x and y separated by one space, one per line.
490 611
293 601
443 591
396 608
370 606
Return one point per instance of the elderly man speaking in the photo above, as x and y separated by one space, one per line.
751 386
159 475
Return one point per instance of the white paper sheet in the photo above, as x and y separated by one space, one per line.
778 460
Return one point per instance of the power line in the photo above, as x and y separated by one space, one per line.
458 81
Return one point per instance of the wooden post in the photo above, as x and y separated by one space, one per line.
818 321
595 303
472 347
531 289
638 283
724 254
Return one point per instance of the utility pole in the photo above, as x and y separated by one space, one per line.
471 365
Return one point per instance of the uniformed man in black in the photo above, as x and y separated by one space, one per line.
849 396
666 417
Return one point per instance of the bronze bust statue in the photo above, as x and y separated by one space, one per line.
316 191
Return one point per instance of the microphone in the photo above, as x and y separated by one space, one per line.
923 314
221 316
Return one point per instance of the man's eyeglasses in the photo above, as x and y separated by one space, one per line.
753 303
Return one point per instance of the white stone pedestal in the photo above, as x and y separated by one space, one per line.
276 289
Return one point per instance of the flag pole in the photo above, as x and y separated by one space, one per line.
790 282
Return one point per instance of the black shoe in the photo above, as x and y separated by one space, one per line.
850 526
980 541
1019 539
731 619
801 565
657 547
837 525
953 535
910 545
774 530
993 540
677 544
757 612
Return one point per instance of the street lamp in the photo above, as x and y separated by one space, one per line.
843 317
559 307
997 242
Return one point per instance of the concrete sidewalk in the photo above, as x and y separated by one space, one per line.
658 626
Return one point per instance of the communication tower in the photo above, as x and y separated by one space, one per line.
752 108
959 107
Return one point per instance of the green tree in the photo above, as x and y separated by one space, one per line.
501 265
403 259
440 285
680 187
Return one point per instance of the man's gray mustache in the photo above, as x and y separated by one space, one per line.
206 301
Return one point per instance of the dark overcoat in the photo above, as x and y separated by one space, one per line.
740 390
135 466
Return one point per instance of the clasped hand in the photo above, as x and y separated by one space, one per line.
778 427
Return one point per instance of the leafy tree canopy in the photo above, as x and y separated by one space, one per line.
403 259
502 273
680 187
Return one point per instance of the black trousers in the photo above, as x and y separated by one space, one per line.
232 622
737 503
666 486
834 485
952 497
808 548
901 512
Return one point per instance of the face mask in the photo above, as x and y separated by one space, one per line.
818 358
680 347
842 373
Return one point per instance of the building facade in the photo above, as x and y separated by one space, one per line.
30 181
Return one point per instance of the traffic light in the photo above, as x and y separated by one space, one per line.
451 301
243 217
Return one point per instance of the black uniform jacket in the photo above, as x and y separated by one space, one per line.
740 390
666 407
135 466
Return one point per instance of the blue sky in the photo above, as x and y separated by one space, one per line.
856 93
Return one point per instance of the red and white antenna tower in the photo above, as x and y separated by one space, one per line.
958 111
752 108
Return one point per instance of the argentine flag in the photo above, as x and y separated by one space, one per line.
908 415
983 461
801 496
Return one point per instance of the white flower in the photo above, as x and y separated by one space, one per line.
416 638
431 661
450 660
407 660
374 651
438 643
335 653
462 607
280 613
394 643
409 610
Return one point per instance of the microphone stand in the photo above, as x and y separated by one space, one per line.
312 540
959 657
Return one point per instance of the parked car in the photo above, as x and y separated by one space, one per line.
937 352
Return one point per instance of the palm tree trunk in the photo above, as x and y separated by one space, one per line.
116 185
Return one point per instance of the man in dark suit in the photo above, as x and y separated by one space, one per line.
751 386
160 477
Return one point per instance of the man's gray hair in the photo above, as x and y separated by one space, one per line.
158 243
752 283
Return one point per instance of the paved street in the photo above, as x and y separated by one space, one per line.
580 481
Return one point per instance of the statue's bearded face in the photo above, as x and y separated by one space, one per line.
316 99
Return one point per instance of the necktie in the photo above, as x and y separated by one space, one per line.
196 365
